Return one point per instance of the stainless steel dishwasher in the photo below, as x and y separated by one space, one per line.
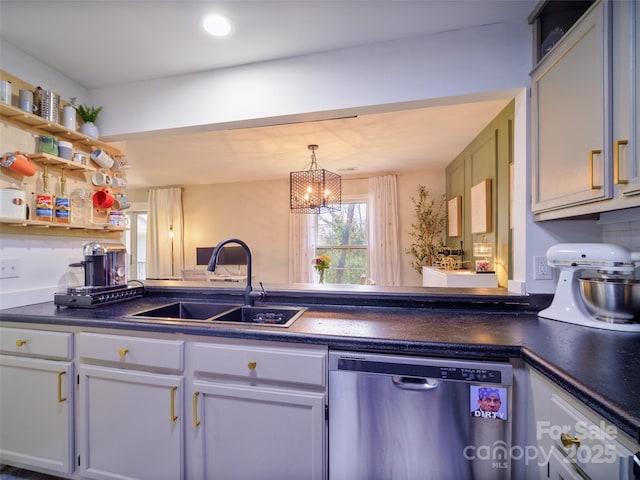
403 417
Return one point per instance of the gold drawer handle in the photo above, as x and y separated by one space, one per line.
591 155
60 397
252 365
567 440
20 343
123 351
616 162
196 422
172 407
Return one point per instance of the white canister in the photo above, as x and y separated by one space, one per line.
69 117
5 91
12 203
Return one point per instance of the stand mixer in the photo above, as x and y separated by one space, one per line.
613 308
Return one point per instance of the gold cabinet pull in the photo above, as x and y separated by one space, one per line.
196 422
616 162
567 440
60 397
20 343
591 155
172 413
252 365
123 351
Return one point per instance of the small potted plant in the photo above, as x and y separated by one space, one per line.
89 116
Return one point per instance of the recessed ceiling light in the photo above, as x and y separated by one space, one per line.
217 25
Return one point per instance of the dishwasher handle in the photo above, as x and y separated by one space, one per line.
414 383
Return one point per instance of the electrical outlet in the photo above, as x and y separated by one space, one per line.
541 269
9 268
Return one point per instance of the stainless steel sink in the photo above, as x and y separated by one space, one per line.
186 311
223 313
280 316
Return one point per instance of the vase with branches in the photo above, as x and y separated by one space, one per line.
428 230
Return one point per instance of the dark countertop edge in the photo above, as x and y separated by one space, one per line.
415 297
591 398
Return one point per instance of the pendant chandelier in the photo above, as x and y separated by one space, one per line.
314 190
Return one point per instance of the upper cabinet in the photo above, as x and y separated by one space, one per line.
583 157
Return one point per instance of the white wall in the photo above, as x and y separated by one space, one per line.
461 62
258 213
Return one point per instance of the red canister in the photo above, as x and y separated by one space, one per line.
19 162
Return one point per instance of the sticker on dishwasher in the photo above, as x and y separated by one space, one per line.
488 402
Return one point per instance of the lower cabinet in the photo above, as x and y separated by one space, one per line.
37 409
567 440
258 412
131 419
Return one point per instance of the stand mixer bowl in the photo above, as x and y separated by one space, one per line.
611 300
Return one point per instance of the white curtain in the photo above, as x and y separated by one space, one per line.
384 243
302 247
164 253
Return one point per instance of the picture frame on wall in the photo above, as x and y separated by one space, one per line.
481 207
454 216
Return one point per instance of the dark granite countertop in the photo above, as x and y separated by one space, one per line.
600 367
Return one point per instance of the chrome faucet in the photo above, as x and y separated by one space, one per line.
249 295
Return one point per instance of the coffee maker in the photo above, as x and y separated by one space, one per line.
105 278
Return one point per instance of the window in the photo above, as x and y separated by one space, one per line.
342 235
136 242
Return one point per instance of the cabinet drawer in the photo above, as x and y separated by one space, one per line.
132 351
598 453
39 343
296 365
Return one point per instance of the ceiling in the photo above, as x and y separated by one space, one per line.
119 42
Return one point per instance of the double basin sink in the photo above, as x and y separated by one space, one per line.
280 316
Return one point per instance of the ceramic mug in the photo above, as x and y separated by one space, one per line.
121 202
119 182
102 158
101 178
25 101
81 158
118 219
103 199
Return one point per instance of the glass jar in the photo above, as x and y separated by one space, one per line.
81 207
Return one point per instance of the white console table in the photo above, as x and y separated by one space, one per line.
437 277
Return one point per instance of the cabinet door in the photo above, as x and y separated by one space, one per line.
626 99
130 424
245 432
36 413
571 114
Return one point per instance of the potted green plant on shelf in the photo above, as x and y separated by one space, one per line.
428 230
89 115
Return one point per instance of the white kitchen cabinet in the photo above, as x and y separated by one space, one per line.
36 407
258 411
131 413
626 98
571 440
571 112
584 117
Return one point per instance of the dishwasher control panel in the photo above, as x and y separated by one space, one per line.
456 370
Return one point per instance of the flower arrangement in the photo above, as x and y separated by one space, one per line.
322 263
